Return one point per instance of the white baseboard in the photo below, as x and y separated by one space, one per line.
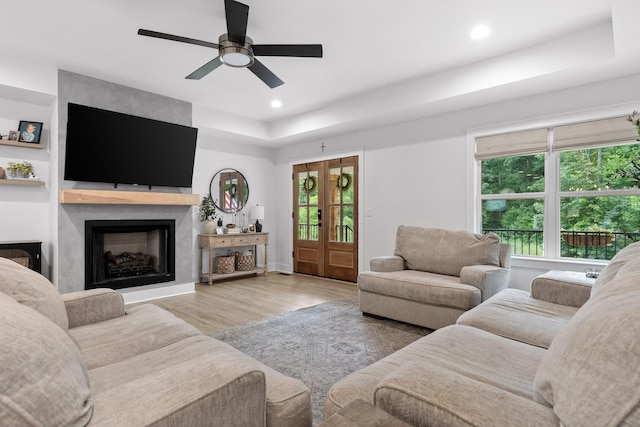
145 293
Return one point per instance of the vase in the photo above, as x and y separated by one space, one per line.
210 227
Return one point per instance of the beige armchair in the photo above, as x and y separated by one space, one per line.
434 276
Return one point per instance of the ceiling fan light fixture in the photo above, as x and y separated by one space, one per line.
234 54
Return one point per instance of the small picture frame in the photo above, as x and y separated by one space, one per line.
252 228
13 135
29 132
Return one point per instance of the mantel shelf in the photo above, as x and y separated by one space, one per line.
21 144
102 197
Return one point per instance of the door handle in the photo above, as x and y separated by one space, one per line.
319 214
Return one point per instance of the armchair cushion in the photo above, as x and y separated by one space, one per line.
44 379
33 290
445 251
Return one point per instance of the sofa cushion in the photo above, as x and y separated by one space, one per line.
197 365
144 328
44 379
590 373
33 290
445 251
514 314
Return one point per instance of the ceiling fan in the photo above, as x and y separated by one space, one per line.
237 50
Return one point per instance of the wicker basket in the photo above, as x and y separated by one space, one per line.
245 262
225 264
22 260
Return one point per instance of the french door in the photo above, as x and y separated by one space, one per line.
325 218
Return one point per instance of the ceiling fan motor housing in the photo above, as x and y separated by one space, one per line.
235 54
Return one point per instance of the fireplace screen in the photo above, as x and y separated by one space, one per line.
126 253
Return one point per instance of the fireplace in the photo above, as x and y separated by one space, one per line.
126 253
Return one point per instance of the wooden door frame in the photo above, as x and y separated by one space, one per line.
361 222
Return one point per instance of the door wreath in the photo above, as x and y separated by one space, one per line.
344 181
309 183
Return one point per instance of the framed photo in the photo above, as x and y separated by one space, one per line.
13 135
29 132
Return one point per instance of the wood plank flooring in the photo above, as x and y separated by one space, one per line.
245 300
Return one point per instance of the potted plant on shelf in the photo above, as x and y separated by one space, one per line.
22 169
208 214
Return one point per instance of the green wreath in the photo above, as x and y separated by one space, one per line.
309 183
344 181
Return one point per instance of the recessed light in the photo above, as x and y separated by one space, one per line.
276 103
480 32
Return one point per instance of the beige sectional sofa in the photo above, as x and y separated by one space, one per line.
516 360
82 359
434 276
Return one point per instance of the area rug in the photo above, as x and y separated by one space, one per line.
321 344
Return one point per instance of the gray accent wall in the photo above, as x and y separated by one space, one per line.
85 90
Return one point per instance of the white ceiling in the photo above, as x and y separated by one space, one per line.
383 60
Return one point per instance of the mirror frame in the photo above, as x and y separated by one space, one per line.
216 195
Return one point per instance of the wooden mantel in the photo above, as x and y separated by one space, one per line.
102 197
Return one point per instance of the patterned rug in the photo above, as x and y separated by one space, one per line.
321 344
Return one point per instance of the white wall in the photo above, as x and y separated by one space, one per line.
418 173
25 210
255 163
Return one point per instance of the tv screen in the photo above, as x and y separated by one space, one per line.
106 146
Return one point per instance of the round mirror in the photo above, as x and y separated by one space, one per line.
229 190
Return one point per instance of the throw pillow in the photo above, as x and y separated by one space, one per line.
33 290
44 378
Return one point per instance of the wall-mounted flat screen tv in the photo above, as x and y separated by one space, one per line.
117 148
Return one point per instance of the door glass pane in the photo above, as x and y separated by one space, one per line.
334 188
335 224
347 224
346 184
303 183
313 187
313 223
303 223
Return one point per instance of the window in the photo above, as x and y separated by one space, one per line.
586 205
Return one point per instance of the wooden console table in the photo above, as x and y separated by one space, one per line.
224 241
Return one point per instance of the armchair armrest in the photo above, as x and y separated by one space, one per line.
562 287
488 278
386 263
93 306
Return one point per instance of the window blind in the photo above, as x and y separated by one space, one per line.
595 133
531 141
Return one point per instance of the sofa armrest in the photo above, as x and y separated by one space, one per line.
428 395
93 306
488 278
562 287
386 263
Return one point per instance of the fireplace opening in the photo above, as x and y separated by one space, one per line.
126 253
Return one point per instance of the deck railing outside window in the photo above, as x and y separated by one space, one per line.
600 245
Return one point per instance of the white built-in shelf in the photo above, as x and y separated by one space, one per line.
28 182
105 197
21 144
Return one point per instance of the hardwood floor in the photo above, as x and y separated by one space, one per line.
244 300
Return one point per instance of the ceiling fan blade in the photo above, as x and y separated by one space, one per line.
300 50
265 74
205 69
166 36
237 16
